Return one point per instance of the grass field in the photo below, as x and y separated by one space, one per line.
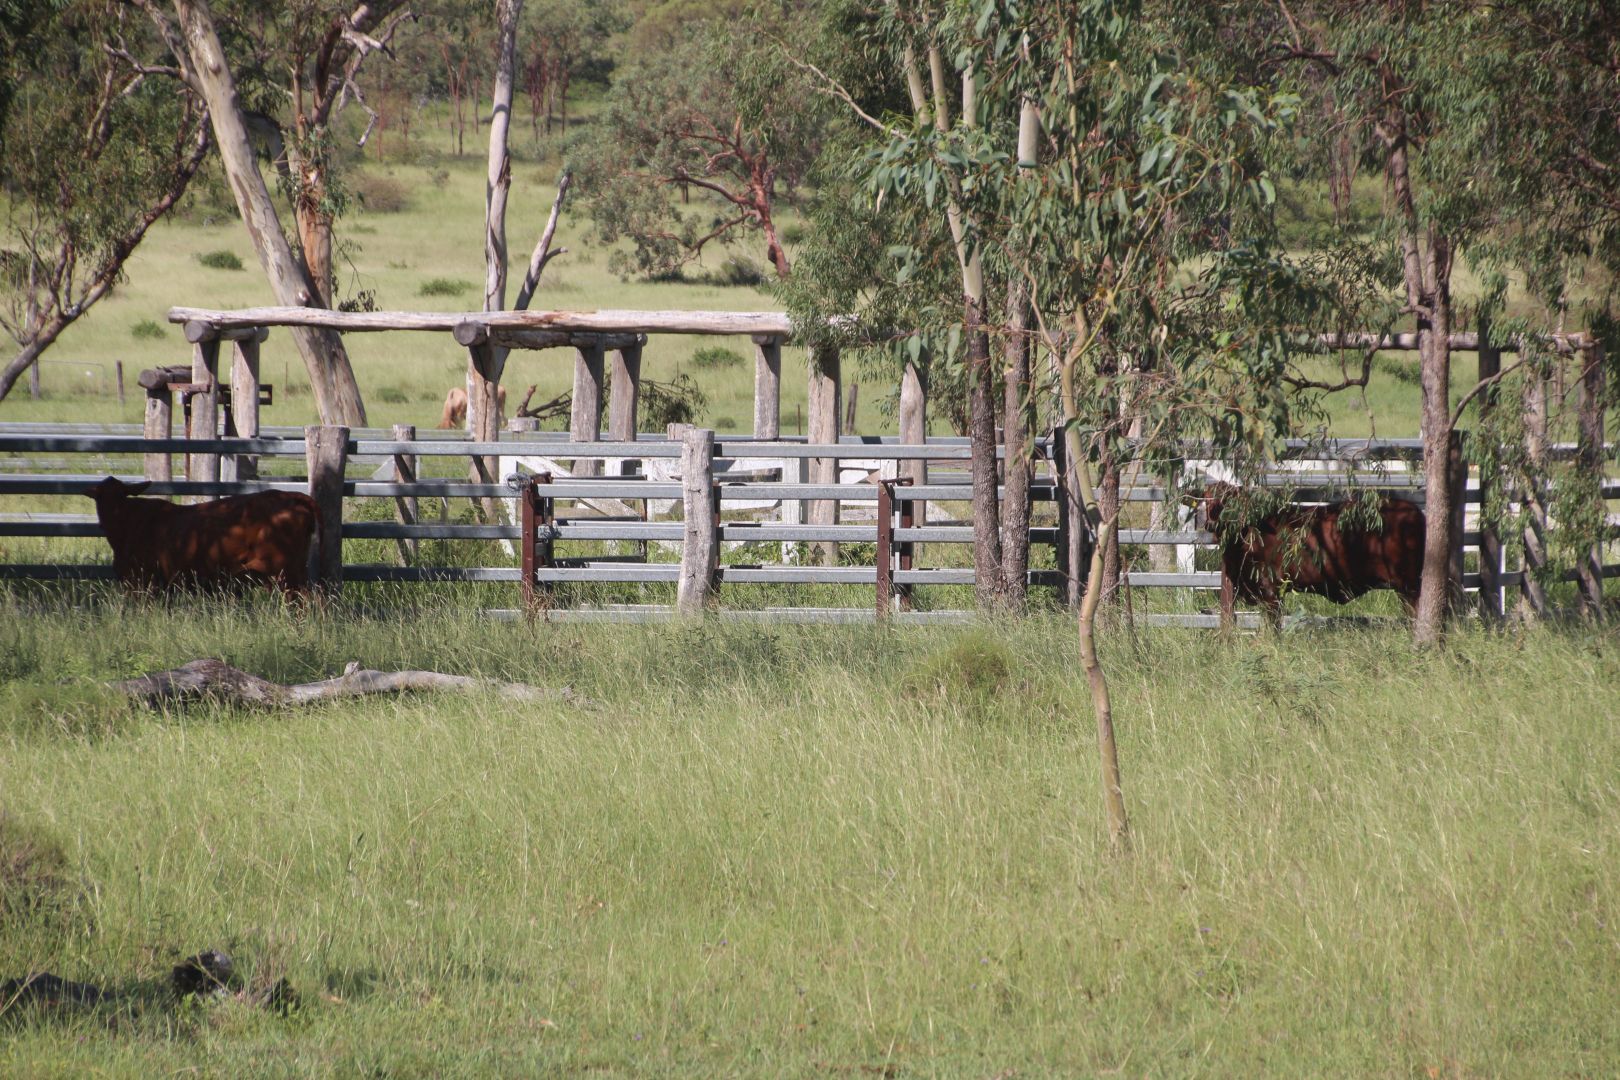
817 852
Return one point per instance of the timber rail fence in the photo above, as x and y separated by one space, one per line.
697 475
606 493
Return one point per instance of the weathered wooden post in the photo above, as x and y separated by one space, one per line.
625 369
204 407
823 429
700 551
245 399
326 453
1491 597
158 424
118 373
1533 507
767 386
585 417
1589 459
406 509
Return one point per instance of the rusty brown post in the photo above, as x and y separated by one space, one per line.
905 549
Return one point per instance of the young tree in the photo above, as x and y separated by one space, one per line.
1093 168
98 146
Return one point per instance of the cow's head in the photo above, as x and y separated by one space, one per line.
113 489
1207 506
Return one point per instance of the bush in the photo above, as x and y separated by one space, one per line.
716 356
380 194
146 329
726 423
737 270
393 395
220 260
445 287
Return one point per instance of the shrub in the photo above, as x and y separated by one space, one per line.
726 423
393 395
445 287
737 270
716 356
220 260
380 194
148 330
793 234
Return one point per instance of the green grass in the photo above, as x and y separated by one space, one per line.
802 851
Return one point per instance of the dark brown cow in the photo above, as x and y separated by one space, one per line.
266 538
1310 549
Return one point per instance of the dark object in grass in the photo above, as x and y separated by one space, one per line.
41 987
208 974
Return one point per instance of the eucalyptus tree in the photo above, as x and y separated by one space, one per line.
1124 188
704 139
1416 83
99 142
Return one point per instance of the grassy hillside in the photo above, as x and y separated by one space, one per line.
817 851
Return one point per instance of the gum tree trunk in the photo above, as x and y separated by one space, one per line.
337 395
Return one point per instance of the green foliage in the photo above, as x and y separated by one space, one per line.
716 356
147 330
440 286
704 137
220 259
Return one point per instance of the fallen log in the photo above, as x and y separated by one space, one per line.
215 680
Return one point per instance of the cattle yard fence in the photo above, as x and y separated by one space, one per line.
664 510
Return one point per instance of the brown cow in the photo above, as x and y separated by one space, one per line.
1313 549
267 538
455 407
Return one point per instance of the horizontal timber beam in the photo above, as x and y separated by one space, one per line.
588 322
473 333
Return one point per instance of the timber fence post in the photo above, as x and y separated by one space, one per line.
244 416
1589 459
118 373
204 408
767 387
585 416
326 452
406 508
825 376
700 550
623 405
158 424
1533 505
1491 597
